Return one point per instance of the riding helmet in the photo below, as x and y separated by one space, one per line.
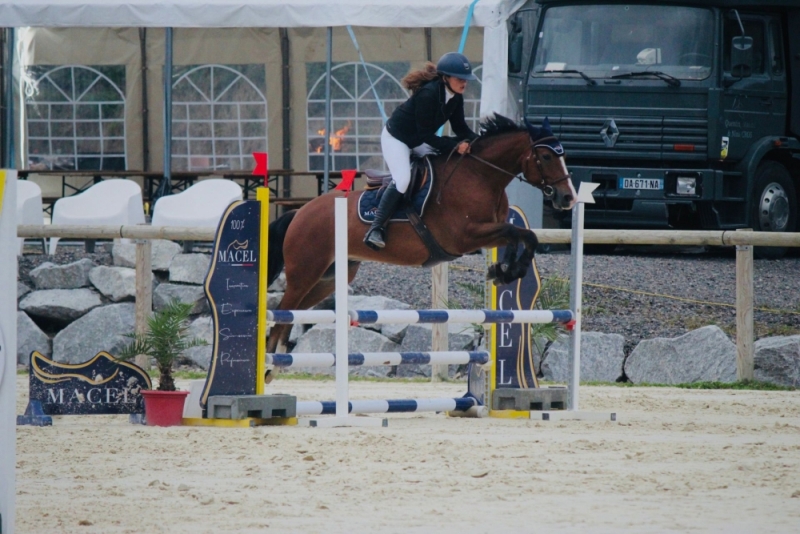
455 65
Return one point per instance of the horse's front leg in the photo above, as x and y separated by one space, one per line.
499 271
504 234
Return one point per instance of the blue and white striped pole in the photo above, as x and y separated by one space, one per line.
422 316
463 404
355 359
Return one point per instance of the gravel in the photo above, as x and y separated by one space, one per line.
640 293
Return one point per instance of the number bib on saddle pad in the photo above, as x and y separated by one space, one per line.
421 186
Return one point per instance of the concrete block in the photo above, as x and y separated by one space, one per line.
257 406
552 398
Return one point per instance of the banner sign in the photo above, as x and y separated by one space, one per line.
232 288
102 385
514 367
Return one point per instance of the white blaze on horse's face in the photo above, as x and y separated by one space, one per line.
556 182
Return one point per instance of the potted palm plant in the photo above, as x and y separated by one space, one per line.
165 340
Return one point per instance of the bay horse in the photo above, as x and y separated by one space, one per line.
466 211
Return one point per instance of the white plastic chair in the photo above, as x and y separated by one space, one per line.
29 206
107 202
200 205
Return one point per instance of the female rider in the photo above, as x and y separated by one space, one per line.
436 97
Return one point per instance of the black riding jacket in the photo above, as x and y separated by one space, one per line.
417 120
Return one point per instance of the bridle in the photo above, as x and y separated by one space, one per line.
548 189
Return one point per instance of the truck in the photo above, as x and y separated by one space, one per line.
686 113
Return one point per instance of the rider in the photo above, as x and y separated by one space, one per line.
436 97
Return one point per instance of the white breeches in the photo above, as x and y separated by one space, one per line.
398 158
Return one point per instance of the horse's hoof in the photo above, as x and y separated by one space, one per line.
491 273
268 377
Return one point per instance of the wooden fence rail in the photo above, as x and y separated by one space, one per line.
744 241
545 235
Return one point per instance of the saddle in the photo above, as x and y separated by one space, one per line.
411 208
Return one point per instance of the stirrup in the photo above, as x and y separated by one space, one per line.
375 238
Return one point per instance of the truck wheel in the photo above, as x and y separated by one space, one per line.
774 206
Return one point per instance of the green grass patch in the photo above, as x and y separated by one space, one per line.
22 371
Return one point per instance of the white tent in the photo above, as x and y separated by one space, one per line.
490 14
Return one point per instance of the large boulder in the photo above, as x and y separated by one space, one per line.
705 354
322 338
395 332
63 305
101 329
189 268
22 290
201 328
161 254
273 300
777 360
70 276
419 338
116 283
30 338
602 356
279 284
194 295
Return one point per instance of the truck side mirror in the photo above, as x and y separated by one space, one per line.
742 56
515 42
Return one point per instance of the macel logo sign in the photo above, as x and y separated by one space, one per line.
238 254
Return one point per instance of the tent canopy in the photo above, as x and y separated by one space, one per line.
252 13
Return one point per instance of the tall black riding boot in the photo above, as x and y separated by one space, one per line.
376 235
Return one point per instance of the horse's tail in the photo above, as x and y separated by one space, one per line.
277 235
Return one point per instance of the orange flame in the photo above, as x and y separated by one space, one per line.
335 140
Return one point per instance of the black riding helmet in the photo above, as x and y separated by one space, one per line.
455 65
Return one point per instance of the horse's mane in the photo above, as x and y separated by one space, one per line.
497 124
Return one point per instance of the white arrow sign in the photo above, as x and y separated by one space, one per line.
585 192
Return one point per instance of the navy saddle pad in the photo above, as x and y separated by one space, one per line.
370 198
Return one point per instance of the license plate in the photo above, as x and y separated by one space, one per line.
641 183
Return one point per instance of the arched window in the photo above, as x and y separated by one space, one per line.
219 117
356 119
75 115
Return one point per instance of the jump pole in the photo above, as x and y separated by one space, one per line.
342 417
573 413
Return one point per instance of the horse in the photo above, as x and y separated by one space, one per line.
468 212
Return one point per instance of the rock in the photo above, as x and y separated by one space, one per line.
116 283
602 356
163 251
100 329
777 360
202 328
273 300
419 338
70 276
322 338
22 290
705 354
60 304
30 338
395 332
189 268
279 284
195 295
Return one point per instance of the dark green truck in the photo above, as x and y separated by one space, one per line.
686 113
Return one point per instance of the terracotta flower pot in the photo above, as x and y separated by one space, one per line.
164 408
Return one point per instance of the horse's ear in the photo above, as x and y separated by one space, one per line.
546 130
533 131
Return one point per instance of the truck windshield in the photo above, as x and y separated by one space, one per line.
603 41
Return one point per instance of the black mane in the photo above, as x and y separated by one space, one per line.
497 124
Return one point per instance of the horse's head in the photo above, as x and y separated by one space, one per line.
544 167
